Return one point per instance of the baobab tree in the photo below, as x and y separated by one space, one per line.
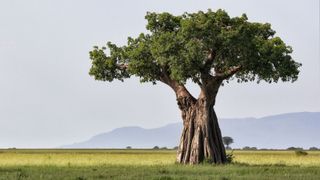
209 48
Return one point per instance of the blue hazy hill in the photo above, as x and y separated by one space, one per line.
300 129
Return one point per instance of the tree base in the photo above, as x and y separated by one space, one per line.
201 139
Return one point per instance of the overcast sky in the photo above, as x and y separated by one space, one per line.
48 99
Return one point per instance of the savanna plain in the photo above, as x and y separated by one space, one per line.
80 164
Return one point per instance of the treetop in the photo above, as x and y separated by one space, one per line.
197 46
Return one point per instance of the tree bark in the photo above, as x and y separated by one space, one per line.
201 139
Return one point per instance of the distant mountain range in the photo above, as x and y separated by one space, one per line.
300 129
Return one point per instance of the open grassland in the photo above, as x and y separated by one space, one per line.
152 164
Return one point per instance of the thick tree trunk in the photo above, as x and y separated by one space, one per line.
201 137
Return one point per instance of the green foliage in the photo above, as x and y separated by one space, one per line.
106 68
313 149
295 148
247 148
230 157
301 153
180 46
227 140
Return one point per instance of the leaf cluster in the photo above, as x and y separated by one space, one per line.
194 45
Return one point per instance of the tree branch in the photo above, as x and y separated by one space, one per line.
211 83
122 66
230 72
197 81
180 90
208 63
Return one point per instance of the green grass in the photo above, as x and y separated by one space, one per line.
288 158
152 164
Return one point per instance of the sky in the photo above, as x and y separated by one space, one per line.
47 98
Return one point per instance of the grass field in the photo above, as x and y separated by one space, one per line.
152 164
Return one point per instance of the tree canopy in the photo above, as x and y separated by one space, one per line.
197 45
227 140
